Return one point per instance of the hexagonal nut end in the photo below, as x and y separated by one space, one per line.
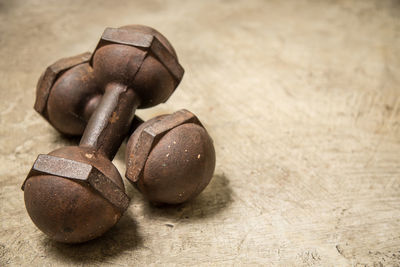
49 77
148 138
171 158
79 171
147 41
72 201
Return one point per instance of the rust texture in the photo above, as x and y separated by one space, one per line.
69 90
75 194
170 158
49 77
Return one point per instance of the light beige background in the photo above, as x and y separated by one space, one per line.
300 97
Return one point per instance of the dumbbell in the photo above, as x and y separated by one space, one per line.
75 194
65 111
170 158
173 192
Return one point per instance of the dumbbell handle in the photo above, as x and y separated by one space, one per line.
110 122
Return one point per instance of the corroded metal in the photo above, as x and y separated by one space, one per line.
170 158
75 170
49 77
75 194
70 89
146 40
149 136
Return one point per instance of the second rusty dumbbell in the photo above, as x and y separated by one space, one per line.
75 194
170 158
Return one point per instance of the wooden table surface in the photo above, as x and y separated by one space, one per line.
300 97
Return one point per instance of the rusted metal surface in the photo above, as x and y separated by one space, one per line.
148 137
170 158
70 89
67 189
72 99
49 77
160 72
64 200
110 123
147 39
76 170
59 97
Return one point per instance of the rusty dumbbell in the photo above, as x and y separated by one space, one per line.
75 194
71 115
170 158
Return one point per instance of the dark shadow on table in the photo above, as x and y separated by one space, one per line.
214 199
122 237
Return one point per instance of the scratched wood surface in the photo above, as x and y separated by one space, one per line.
300 97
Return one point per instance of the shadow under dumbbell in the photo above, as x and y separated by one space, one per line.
122 237
64 140
214 199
